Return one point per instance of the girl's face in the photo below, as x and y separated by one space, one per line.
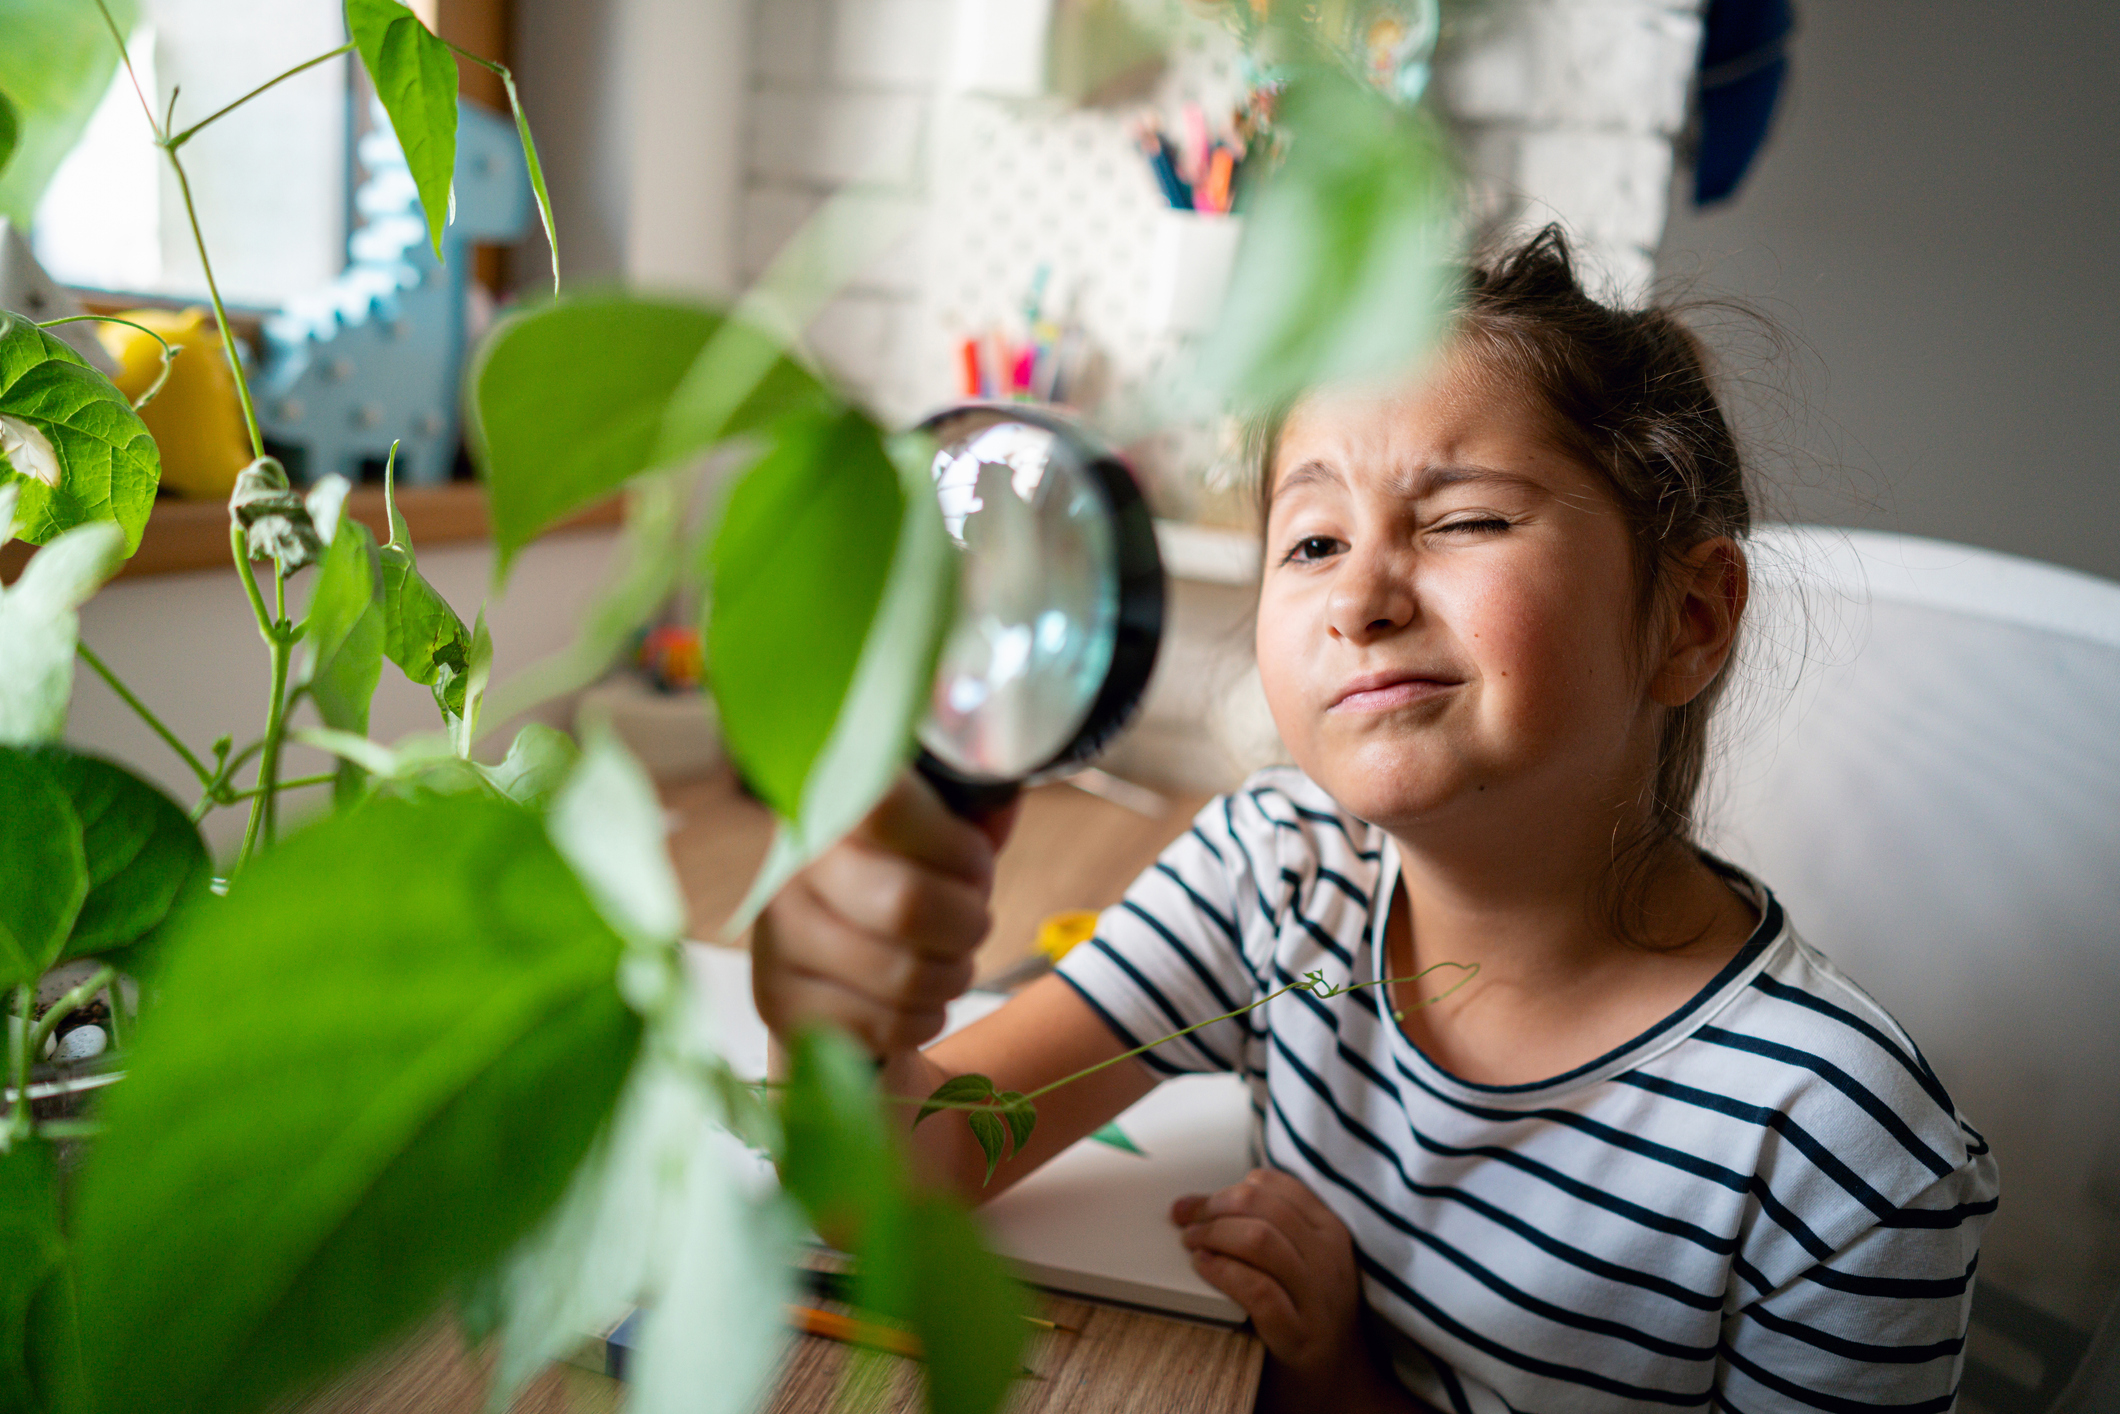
1448 610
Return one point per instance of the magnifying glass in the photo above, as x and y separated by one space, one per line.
1060 602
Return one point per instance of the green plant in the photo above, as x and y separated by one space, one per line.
488 1083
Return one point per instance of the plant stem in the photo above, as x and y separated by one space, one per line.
220 311
125 58
178 140
18 1120
296 784
263 822
71 1001
250 583
169 351
125 695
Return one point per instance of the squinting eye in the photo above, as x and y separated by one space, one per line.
1311 548
1483 523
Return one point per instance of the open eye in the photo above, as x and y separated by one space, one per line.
1310 549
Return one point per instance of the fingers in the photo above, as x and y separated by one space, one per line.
912 822
882 894
1279 1197
1265 1300
1275 1248
796 998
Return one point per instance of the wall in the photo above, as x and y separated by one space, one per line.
1937 221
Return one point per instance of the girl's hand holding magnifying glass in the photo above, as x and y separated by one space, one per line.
877 935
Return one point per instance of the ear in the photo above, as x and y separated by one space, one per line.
1712 585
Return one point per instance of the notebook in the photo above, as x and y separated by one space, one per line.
1095 1220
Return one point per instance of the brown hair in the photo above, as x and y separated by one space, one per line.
1631 395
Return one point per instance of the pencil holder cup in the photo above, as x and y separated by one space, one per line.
1193 256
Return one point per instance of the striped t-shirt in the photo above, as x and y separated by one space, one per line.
1764 1202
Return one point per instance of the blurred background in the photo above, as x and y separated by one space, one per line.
1922 197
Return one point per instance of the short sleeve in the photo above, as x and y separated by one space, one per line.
1172 954
1879 1324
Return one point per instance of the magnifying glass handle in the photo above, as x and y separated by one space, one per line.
971 800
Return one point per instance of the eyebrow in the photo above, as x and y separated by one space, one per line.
1414 485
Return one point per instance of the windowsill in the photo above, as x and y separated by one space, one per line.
183 536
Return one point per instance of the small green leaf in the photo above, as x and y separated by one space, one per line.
10 131
143 854
43 868
421 633
536 766
957 1090
415 77
568 402
343 648
536 169
371 1069
1021 1114
40 627
992 1137
102 463
462 699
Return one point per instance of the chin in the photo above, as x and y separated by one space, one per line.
1385 786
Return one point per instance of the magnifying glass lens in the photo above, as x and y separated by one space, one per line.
1038 600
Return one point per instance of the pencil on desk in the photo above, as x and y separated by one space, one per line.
833 1326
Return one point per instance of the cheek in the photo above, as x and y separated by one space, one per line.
1550 640
1282 645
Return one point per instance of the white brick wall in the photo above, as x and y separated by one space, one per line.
1567 110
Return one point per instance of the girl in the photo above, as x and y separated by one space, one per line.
1657 1151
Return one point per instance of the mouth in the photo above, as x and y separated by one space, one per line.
1388 691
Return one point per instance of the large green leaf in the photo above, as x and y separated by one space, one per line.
568 402
1348 262
833 542
32 1262
105 466
43 868
608 823
839 1163
800 563
536 766
372 1068
56 65
415 77
142 852
965 1307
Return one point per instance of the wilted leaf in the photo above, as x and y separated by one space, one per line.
569 402
108 465
415 77
372 1068
142 853
43 868
275 517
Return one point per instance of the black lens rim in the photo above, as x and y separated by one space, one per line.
1138 634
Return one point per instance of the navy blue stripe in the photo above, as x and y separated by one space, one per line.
1228 926
1840 1080
1162 1004
1223 1000
1923 1076
1345 885
1326 817
1551 1245
1895 1288
1319 936
1830 1402
1127 1039
1258 880
1729 1178
1854 1349
1451 1386
1801 1139
1750 1275
1443 1321
1207 844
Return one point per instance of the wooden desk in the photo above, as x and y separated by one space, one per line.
1121 1362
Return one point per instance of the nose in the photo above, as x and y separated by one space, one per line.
1372 595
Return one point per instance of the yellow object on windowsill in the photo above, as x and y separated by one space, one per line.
196 420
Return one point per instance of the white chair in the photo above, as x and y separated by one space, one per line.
1922 757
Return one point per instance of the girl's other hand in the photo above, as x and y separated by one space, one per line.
877 935
1271 1246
